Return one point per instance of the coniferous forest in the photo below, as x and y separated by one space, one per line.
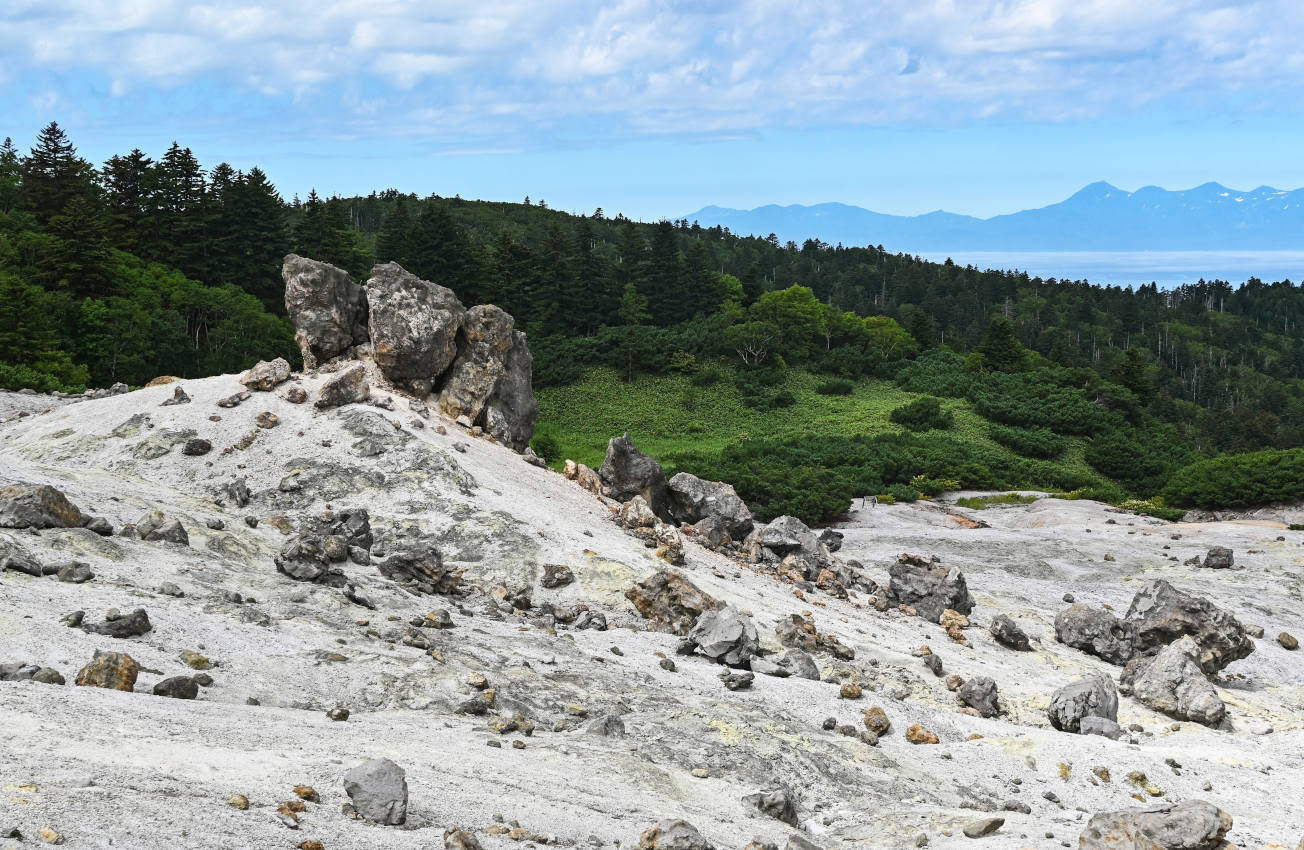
142 266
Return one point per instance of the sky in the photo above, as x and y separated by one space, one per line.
656 109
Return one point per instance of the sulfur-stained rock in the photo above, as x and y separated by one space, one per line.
917 734
670 601
1190 825
113 670
329 311
876 721
37 506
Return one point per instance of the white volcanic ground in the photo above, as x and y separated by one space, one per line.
115 769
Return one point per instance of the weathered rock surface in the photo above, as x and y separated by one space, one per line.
1090 696
1097 632
413 325
349 386
779 803
328 309
1007 633
1173 683
670 601
482 345
980 694
928 587
37 506
726 635
113 670
673 835
693 500
1162 614
155 525
378 791
626 472
265 375
423 568
1192 825
119 625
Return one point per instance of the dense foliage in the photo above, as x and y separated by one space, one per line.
141 267
1238 481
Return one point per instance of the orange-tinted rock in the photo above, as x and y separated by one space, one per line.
114 670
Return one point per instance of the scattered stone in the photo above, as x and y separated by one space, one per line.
177 687
266 375
20 672
348 386
49 835
194 660
801 664
798 631
338 714
75 572
1092 696
1191 825
670 601
155 526
119 625
178 397
1016 806
99 525
725 635
113 670
1102 726
739 681
876 721
934 663
267 420
779 803
295 395
1219 558
234 400
37 506
378 791
556 575
928 588
1288 641
238 801
196 446
849 690
1173 683
1007 633
673 835
983 827
979 693
460 839
917 734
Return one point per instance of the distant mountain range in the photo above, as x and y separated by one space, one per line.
1100 217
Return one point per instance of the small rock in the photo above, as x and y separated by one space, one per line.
556 575
917 734
178 397
876 721
238 801
234 400
979 693
778 803
196 446
338 714
49 834
849 690
75 572
1007 633
267 420
673 835
738 681
295 395
983 827
1288 641
177 687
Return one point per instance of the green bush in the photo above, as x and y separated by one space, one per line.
835 386
708 376
923 414
1029 442
545 445
1141 459
783 398
1239 481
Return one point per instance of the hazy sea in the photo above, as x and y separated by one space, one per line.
1165 268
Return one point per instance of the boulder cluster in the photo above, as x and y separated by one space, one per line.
422 340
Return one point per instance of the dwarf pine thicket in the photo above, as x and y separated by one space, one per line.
1189 397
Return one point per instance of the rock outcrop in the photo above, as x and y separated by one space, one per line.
328 309
626 472
413 326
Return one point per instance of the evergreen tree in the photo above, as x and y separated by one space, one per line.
53 174
395 233
1001 351
258 241
438 250
182 237
78 258
11 176
131 188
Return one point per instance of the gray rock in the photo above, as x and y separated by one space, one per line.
169 588
348 386
1191 825
511 411
831 539
1006 632
1173 683
1096 632
983 827
801 664
119 625
609 725
21 562
626 472
779 803
738 681
304 557
98 525
556 575
783 535
1219 558
238 492
154 526
726 635
234 400
693 500
22 672
37 506
1102 726
422 567
75 572
329 311
979 693
266 375
673 834
413 325
179 396
482 346
929 588
1091 696
800 842
766 667
1161 614
177 687
790 539
378 790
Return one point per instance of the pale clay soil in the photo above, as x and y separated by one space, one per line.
131 770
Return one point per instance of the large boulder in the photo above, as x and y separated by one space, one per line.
670 601
378 791
693 499
266 374
673 834
1173 683
422 567
329 311
113 670
1096 632
1091 696
37 506
928 588
308 557
626 472
1191 825
413 325
349 386
1161 614
511 410
980 694
482 346
726 635
796 545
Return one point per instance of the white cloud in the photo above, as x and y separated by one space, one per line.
495 67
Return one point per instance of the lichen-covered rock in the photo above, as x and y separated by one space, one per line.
928 588
1191 825
1091 696
266 375
726 635
329 311
1161 614
348 386
378 791
413 325
693 500
113 670
1173 683
37 506
1096 632
670 601
626 472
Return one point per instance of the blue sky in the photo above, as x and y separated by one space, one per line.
659 108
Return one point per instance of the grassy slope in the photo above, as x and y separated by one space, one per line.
667 415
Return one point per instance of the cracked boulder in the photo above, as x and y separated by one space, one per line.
1091 696
1161 614
670 601
328 309
1172 683
726 635
693 500
265 375
37 506
1190 825
626 472
927 587
413 325
1096 632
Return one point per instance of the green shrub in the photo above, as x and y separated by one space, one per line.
1295 526
545 445
1029 442
1141 459
783 398
979 503
923 414
708 376
902 493
1239 481
836 386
